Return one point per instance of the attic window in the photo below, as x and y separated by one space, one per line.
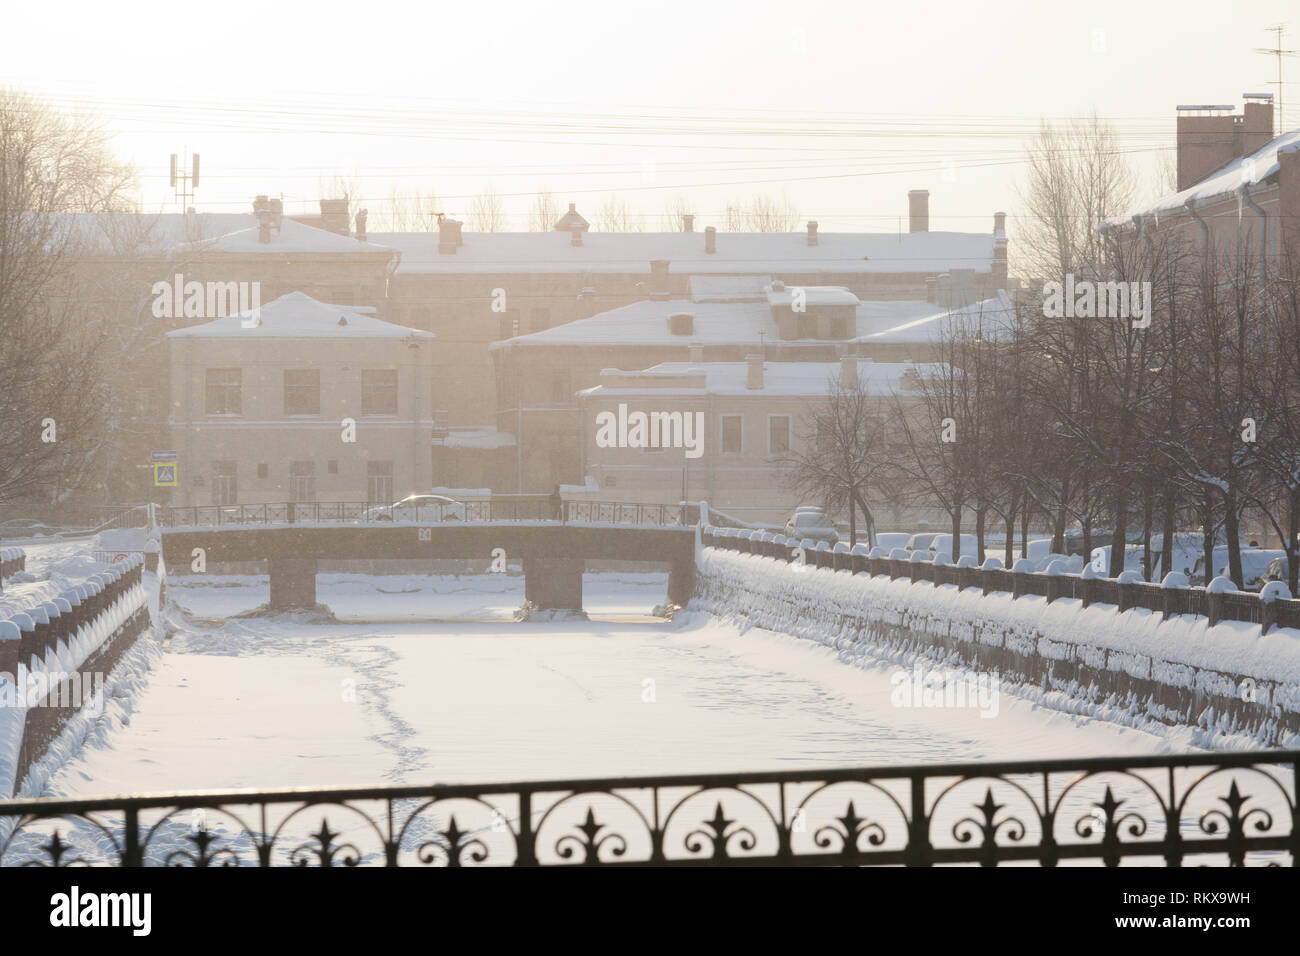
343 320
681 323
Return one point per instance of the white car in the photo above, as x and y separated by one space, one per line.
942 544
430 508
816 525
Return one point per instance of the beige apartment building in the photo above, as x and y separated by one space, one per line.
740 423
306 401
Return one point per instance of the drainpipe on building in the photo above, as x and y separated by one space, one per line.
1190 206
1243 191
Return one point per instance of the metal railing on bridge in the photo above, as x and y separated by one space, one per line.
1218 809
496 508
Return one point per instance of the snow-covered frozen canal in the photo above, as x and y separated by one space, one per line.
385 696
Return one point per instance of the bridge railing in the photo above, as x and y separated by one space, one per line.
1218 809
497 508
1169 601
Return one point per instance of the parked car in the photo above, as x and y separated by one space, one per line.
811 523
1254 565
920 541
942 544
889 540
430 508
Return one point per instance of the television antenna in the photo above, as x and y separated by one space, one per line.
1278 52
184 183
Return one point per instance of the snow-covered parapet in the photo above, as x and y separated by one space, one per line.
1138 664
63 635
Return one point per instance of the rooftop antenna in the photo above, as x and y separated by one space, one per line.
1278 52
183 183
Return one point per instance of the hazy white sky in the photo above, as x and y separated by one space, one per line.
840 106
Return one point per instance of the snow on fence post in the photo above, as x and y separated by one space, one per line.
990 565
915 566
1056 572
1172 584
1127 588
1269 595
1214 594
1084 586
1020 572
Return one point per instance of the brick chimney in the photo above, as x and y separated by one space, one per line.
688 223
449 236
849 371
659 288
710 240
812 232
918 210
334 216
754 378
361 224
1208 136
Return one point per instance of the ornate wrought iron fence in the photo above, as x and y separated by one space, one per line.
1228 809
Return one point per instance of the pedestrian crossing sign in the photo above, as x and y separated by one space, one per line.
164 474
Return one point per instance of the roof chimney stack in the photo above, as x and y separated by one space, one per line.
688 223
710 240
812 232
361 224
918 210
448 236
849 372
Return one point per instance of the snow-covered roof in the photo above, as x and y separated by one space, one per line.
290 237
779 378
299 316
737 252
729 288
924 321
779 294
645 323
1255 168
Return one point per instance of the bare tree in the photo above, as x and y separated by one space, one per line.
1078 178
543 213
51 164
413 212
761 214
616 216
842 463
675 212
487 212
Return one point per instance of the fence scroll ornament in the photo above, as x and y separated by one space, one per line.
1225 809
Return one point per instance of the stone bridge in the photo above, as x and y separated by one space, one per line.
553 554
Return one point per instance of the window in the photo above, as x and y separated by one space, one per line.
731 431
222 386
302 480
225 488
379 391
825 433
509 324
332 466
302 391
561 387
379 482
778 434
